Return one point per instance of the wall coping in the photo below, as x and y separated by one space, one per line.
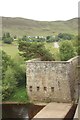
63 62
73 58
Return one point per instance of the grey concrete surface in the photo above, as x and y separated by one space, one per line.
54 110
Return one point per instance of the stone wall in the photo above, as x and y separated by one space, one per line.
52 80
73 74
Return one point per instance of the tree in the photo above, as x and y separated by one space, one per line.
34 50
65 36
76 44
8 84
24 38
20 74
8 35
15 37
6 61
66 50
4 36
48 37
7 38
13 75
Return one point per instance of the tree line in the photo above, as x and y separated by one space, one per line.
7 38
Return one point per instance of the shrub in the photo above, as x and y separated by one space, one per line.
66 50
8 84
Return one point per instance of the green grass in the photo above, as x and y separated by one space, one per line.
10 49
19 95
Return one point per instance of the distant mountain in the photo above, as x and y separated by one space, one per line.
20 26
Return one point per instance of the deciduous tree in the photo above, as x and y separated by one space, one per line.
66 50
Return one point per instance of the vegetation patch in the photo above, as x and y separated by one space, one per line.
19 95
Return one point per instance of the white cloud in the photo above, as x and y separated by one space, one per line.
40 9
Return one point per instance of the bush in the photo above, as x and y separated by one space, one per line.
20 75
66 50
6 61
8 84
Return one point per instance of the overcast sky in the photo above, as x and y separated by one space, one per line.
43 10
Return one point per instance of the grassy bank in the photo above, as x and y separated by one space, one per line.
19 95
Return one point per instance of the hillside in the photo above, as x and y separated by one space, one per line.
21 26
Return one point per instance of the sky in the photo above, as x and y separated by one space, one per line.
43 10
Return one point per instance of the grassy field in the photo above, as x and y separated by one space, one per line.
10 49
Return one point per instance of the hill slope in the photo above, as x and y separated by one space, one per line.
21 26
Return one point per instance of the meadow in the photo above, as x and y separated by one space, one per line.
10 49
